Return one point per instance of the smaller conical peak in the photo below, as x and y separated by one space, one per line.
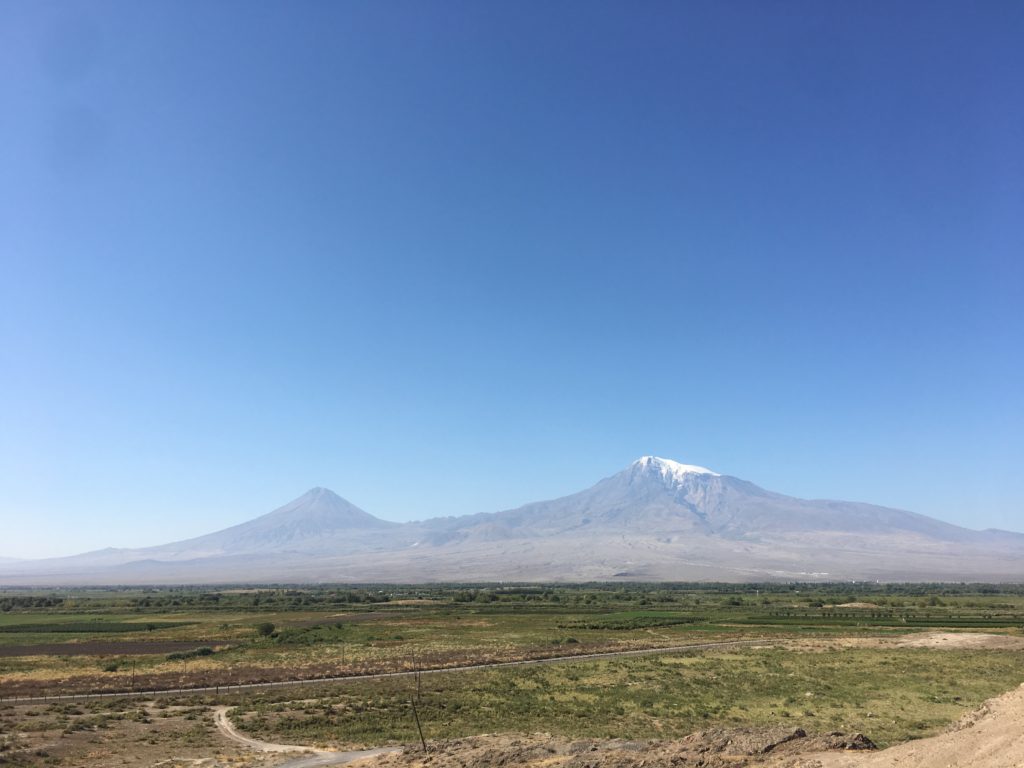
319 494
324 504
318 498
670 470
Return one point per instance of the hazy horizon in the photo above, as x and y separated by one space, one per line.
447 260
408 518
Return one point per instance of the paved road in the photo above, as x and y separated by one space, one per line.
311 757
217 690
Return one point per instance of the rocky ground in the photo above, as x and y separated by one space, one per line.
707 749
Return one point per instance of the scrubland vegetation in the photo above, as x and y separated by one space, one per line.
837 658
825 688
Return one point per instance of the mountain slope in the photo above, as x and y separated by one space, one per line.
655 495
655 520
319 519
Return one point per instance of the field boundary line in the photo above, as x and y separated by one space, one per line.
234 688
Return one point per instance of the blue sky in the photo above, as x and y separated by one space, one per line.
451 257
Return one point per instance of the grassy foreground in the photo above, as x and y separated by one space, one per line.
839 662
116 640
891 694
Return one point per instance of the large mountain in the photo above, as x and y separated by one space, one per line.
655 520
319 522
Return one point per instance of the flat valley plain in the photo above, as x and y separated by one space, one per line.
892 662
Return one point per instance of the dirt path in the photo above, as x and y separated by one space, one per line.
225 726
990 737
313 757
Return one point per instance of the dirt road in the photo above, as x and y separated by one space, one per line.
224 689
312 757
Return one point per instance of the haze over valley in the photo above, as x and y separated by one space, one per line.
656 520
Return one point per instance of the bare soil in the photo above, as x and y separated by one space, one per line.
316 757
989 737
714 748
107 648
970 640
143 735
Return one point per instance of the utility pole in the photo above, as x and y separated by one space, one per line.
416 669
419 728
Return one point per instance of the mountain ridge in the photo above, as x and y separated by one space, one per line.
657 519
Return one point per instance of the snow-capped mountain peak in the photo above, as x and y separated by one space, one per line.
670 470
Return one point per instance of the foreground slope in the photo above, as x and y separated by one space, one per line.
987 738
656 520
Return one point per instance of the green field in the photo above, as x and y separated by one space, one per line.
838 662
